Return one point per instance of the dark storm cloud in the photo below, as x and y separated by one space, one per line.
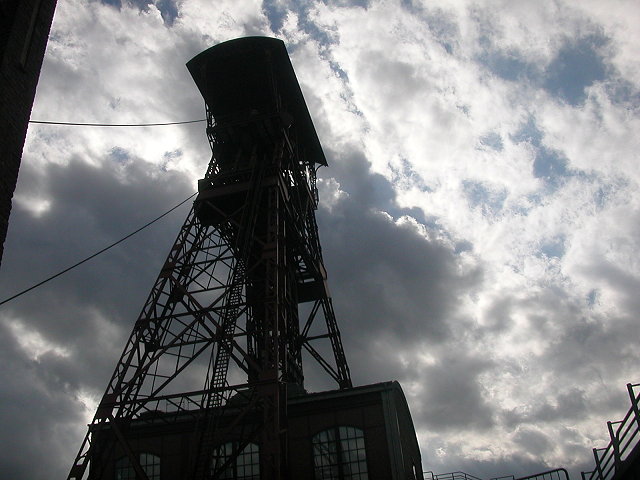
515 466
87 313
624 283
391 280
499 315
90 208
394 290
36 406
453 397
589 349
535 442
552 406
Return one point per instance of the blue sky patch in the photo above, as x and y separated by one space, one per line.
492 140
480 195
168 8
348 3
418 214
113 3
407 174
276 14
337 69
444 29
609 190
553 247
120 155
549 165
528 132
623 92
463 246
510 65
592 297
577 66
168 157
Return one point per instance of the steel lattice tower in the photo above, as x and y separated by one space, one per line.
227 307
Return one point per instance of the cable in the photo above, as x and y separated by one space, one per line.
43 122
98 253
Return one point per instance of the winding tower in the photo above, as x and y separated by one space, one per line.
242 295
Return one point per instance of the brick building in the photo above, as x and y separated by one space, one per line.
361 433
24 31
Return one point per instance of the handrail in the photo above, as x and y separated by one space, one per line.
453 476
624 439
554 474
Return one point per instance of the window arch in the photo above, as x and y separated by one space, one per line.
150 464
245 467
339 453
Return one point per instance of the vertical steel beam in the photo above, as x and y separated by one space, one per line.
615 444
598 464
634 403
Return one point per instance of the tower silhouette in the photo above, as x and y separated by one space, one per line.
243 291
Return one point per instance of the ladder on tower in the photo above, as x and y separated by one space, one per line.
214 402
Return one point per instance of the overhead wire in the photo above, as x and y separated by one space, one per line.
79 124
76 124
99 252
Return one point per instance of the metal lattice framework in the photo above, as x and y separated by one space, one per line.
224 310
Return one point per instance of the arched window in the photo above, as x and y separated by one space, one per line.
339 453
149 463
245 467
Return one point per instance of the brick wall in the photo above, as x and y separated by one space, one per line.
24 30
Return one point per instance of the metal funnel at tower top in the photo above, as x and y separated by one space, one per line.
253 76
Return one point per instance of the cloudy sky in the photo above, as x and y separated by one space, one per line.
480 215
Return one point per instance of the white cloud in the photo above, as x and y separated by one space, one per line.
33 343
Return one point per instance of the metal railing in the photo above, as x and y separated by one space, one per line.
625 435
556 474
450 476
